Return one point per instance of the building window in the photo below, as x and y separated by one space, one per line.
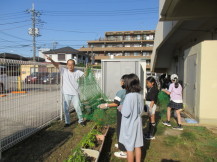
145 37
146 53
119 38
151 37
118 54
148 62
127 45
109 45
136 45
110 38
136 53
127 53
138 37
61 57
127 37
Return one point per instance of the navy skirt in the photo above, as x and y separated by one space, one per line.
174 105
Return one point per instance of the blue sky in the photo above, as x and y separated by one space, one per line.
71 22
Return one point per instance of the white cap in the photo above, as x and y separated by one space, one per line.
174 76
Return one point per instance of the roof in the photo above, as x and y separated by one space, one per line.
66 50
13 56
37 59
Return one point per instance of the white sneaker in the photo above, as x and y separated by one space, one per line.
121 154
116 145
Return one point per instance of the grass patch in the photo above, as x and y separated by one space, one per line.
160 129
172 140
201 154
212 143
190 136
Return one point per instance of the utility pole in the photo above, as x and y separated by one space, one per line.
34 32
54 45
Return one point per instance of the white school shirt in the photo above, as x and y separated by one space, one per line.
70 81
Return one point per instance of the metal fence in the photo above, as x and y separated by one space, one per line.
30 99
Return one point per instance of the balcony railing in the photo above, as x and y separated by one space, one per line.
121 39
116 49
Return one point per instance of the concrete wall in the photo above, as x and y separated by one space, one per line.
162 30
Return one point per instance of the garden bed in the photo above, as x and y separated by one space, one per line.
90 147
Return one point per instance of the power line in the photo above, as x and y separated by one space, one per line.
17 46
103 11
15 22
68 31
100 15
11 14
13 18
13 36
17 27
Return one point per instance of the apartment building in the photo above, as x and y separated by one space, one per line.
122 44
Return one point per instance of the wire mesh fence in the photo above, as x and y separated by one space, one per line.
30 98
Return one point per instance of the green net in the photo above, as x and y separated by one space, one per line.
163 101
91 96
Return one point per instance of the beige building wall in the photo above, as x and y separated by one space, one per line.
192 100
205 109
26 71
208 84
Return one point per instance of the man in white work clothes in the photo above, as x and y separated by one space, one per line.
70 89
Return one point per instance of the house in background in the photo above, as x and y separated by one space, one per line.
66 53
186 44
41 50
13 56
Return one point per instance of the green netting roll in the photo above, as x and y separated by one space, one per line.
91 96
163 101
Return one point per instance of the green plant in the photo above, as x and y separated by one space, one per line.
163 101
89 141
77 156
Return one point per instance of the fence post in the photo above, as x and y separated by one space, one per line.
0 150
61 98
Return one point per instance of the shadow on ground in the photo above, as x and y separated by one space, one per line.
40 145
108 148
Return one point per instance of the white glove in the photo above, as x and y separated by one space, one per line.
103 106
